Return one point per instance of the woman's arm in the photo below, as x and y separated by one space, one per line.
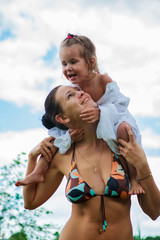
36 194
134 154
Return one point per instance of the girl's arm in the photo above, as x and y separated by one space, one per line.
134 154
36 194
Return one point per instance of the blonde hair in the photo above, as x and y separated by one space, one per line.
89 49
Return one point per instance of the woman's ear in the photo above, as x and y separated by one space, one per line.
62 118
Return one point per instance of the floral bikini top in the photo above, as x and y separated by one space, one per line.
78 191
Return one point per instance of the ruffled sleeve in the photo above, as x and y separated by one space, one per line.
114 110
113 95
62 139
106 128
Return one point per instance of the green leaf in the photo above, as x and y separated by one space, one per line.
11 207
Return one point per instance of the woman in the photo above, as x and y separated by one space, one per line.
97 183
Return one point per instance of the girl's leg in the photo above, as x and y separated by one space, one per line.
136 188
36 176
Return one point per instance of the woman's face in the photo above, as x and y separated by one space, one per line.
73 101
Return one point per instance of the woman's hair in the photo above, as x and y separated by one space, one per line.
89 49
52 108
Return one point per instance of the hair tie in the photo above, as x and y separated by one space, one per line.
70 36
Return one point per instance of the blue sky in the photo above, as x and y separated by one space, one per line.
18 118
126 34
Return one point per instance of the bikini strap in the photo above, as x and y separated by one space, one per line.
104 222
73 154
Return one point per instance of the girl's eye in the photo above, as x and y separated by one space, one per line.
73 61
64 64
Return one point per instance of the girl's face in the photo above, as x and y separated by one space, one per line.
74 66
73 101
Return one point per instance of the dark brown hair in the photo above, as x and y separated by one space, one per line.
52 108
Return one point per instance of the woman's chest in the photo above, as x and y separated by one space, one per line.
94 173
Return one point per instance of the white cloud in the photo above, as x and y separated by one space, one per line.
13 143
150 139
128 49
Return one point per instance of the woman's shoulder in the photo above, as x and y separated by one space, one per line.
63 161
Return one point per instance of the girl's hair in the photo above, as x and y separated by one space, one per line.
52 108
89 49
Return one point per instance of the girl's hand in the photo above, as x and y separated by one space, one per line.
45 148
90 115
132 152
76 134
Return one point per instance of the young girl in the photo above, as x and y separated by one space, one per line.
79 65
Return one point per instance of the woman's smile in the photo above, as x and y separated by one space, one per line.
85 100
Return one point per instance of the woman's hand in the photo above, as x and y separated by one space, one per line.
132 152
76 134
45 148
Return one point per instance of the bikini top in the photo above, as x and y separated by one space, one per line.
78 191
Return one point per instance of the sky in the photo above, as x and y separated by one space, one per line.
126 34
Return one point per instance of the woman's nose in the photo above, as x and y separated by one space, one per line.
80 93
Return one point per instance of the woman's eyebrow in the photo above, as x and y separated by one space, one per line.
77 88
67 92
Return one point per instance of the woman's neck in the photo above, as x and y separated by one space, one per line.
90 137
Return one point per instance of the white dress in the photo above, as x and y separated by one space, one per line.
113 105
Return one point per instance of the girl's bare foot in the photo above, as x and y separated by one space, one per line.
31 178
136 188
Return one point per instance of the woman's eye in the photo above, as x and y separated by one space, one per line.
70 95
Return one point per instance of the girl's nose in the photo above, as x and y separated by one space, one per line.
69 67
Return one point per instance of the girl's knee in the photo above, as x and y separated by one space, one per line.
122 132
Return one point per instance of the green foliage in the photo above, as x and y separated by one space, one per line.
57 235
15 221
19 236
147 238
153 238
